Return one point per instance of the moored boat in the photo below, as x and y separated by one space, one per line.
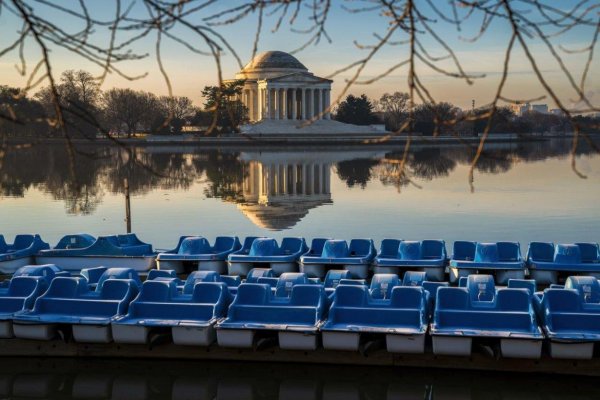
76 252
502 259
398 256
261 251
326 254
20 252
548 262
195 253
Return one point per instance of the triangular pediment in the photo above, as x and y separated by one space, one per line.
304 77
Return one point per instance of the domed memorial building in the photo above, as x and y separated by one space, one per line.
279 87
279 92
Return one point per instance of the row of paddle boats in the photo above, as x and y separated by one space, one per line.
546 263
102 305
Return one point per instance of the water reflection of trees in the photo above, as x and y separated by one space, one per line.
99 171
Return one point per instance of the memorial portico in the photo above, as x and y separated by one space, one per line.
279 87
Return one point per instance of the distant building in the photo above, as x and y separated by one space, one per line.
519 108
540 108
557 112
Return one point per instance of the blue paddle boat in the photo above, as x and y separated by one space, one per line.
571 317
195 253
503 259
479 311
19 295
398 313
261 251
546 261
69 301
20 253
294 311
189 316
398 256
326 254
76 252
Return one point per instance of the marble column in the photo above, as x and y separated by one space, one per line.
294 104
259 109
284 99
303 105
328 103
320 102
267 103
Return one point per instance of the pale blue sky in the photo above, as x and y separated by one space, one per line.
189 72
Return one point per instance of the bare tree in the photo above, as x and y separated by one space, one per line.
128 108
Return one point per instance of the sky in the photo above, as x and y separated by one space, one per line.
190 72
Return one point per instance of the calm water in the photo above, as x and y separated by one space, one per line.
522 192
132 380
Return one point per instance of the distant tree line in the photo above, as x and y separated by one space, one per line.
89 111
445 118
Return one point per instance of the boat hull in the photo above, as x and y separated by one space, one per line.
92 333
297 340
521 348
179 266
357 271
452 346
76 264
237 338
132 334
346 341
575 351
435 274
6 330
35 331
10 266
406 344
194 336
501 275
243 268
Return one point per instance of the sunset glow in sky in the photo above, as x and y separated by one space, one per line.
190 72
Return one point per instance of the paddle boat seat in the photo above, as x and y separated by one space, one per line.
256 273
189 316
98 275
398 256
70 301
355 258
333 279
280 259
20 252
501 258
81 251
294 313
401 315
161 273
197 252
571 317
195 277
546 261
19 295
480 311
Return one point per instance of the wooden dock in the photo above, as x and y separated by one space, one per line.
378 357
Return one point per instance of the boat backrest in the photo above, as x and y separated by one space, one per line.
118 273
24 286
513 300
77 241
360 247
256 273
433 249
409 250
464 250
486 253
64 287
292 245
414 278
23 241
199 276
389 248
588 288
117 289
225 243
452 298
3 245
92 275
46 271
540 251
248 244
161 273
351 295
333 277
231 281
528 284
208 292
482 291
334 248
316 246
129 239
589 252
561 300
567 254
157 291
509 251
382 285
253 294
264 247
432 287
307 295
462 281
194 245
353 282
287 281
407 297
